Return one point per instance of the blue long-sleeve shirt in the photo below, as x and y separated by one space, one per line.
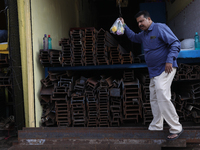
160 46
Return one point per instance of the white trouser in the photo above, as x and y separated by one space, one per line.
161 105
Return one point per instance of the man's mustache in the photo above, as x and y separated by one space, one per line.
141 26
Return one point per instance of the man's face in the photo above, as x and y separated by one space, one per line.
143 23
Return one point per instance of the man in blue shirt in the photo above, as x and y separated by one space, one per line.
161 48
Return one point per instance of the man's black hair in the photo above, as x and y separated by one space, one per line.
145 13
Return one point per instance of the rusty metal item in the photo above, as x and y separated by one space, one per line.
63 113
115 92
4 61
5 80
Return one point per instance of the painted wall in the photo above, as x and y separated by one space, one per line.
176 7
54 18
186 23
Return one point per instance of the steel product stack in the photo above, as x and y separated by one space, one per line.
104 107
55 57
92 102
101 49
66 52
92 83
104 104
79 86
4 61
86 46
78 110
195 90
110 40
76 36
115 106
187 72
48 117
179 105
114 55
78 103
50 58
89 48
63 115
193 106
62 102
131 97
44 58
60 94
188 100
147 113
127 58
46 91
92 108
195 73
136 60
5 80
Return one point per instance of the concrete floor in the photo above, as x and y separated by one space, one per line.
5 144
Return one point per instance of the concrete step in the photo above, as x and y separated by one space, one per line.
101 145
82 138
100 137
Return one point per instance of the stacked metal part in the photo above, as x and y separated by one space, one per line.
89 48
55 57
76 36
115 106
187 72
78 108
44 58
86 46
50 58
48 115
127 58
114 55
62 90
63 115
55 92
4 61
147 113
101 49
118 55
109 40
66 52
104 104
92 108
92 102
195 92
188 101
79 86
180 109
132 106
5 78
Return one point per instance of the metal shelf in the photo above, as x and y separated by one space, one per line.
185 56
99 67
189 54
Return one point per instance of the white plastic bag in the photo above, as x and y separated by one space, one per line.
117 27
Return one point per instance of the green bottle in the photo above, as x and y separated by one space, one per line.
196 41
49 42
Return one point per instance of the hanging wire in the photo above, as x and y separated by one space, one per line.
120 12
4 10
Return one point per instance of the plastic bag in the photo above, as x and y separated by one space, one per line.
117 27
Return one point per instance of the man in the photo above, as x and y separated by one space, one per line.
161 48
